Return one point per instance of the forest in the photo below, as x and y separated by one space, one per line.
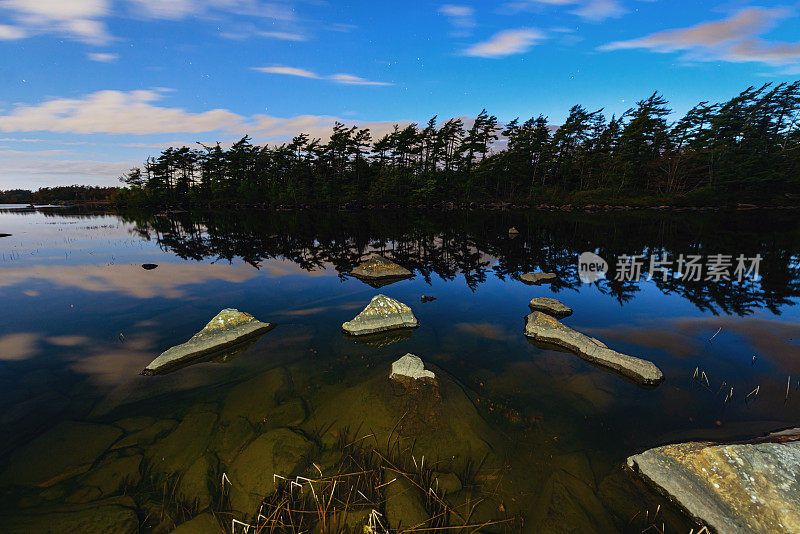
743 149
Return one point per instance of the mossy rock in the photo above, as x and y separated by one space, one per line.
68 449
230 437
567 504
277 452
202 524
194 483
110 475
135 423
181 447
146 436
404 508
255 398
290 413
110 516
458 433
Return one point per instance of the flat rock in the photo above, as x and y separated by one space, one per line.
537 278
545 328
377 268
381 314
228 328
744 487
550 306
68 449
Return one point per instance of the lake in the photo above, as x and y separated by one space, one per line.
524 437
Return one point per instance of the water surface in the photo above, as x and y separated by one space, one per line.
81 319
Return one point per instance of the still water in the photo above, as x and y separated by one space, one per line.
537 437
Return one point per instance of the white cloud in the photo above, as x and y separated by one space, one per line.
103 57
181 9
284 36
114 112
344 79
593 10
736 38
600 10
461 17
11 33
78 19
506 43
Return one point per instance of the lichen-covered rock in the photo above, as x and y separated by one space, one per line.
545 328
228 328
381 314
745 487
536 278
550 306
68 449
378 267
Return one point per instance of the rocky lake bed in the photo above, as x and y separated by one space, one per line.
330 393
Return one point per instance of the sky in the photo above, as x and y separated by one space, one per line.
90 88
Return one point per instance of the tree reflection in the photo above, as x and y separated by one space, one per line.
475 244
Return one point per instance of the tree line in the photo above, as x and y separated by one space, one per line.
60 194
744 146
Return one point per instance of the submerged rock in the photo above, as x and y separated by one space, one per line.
228 328
744 487
426 298
280 452
379 268
68 449
116 515
381 314
202 524
404 508
550 306
537 278
542 327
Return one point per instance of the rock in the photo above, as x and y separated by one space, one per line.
181 447
404 509
743 487
193 486
68 449
5 235
381 314
132 424
147 435
112 474
277 452
544 328
513 232
537 278
410 368
202 524
426 298
228 328
149 266
110 516
255 398
378 268
567 504
550 306
446 482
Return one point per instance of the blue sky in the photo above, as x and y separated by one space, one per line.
91 87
